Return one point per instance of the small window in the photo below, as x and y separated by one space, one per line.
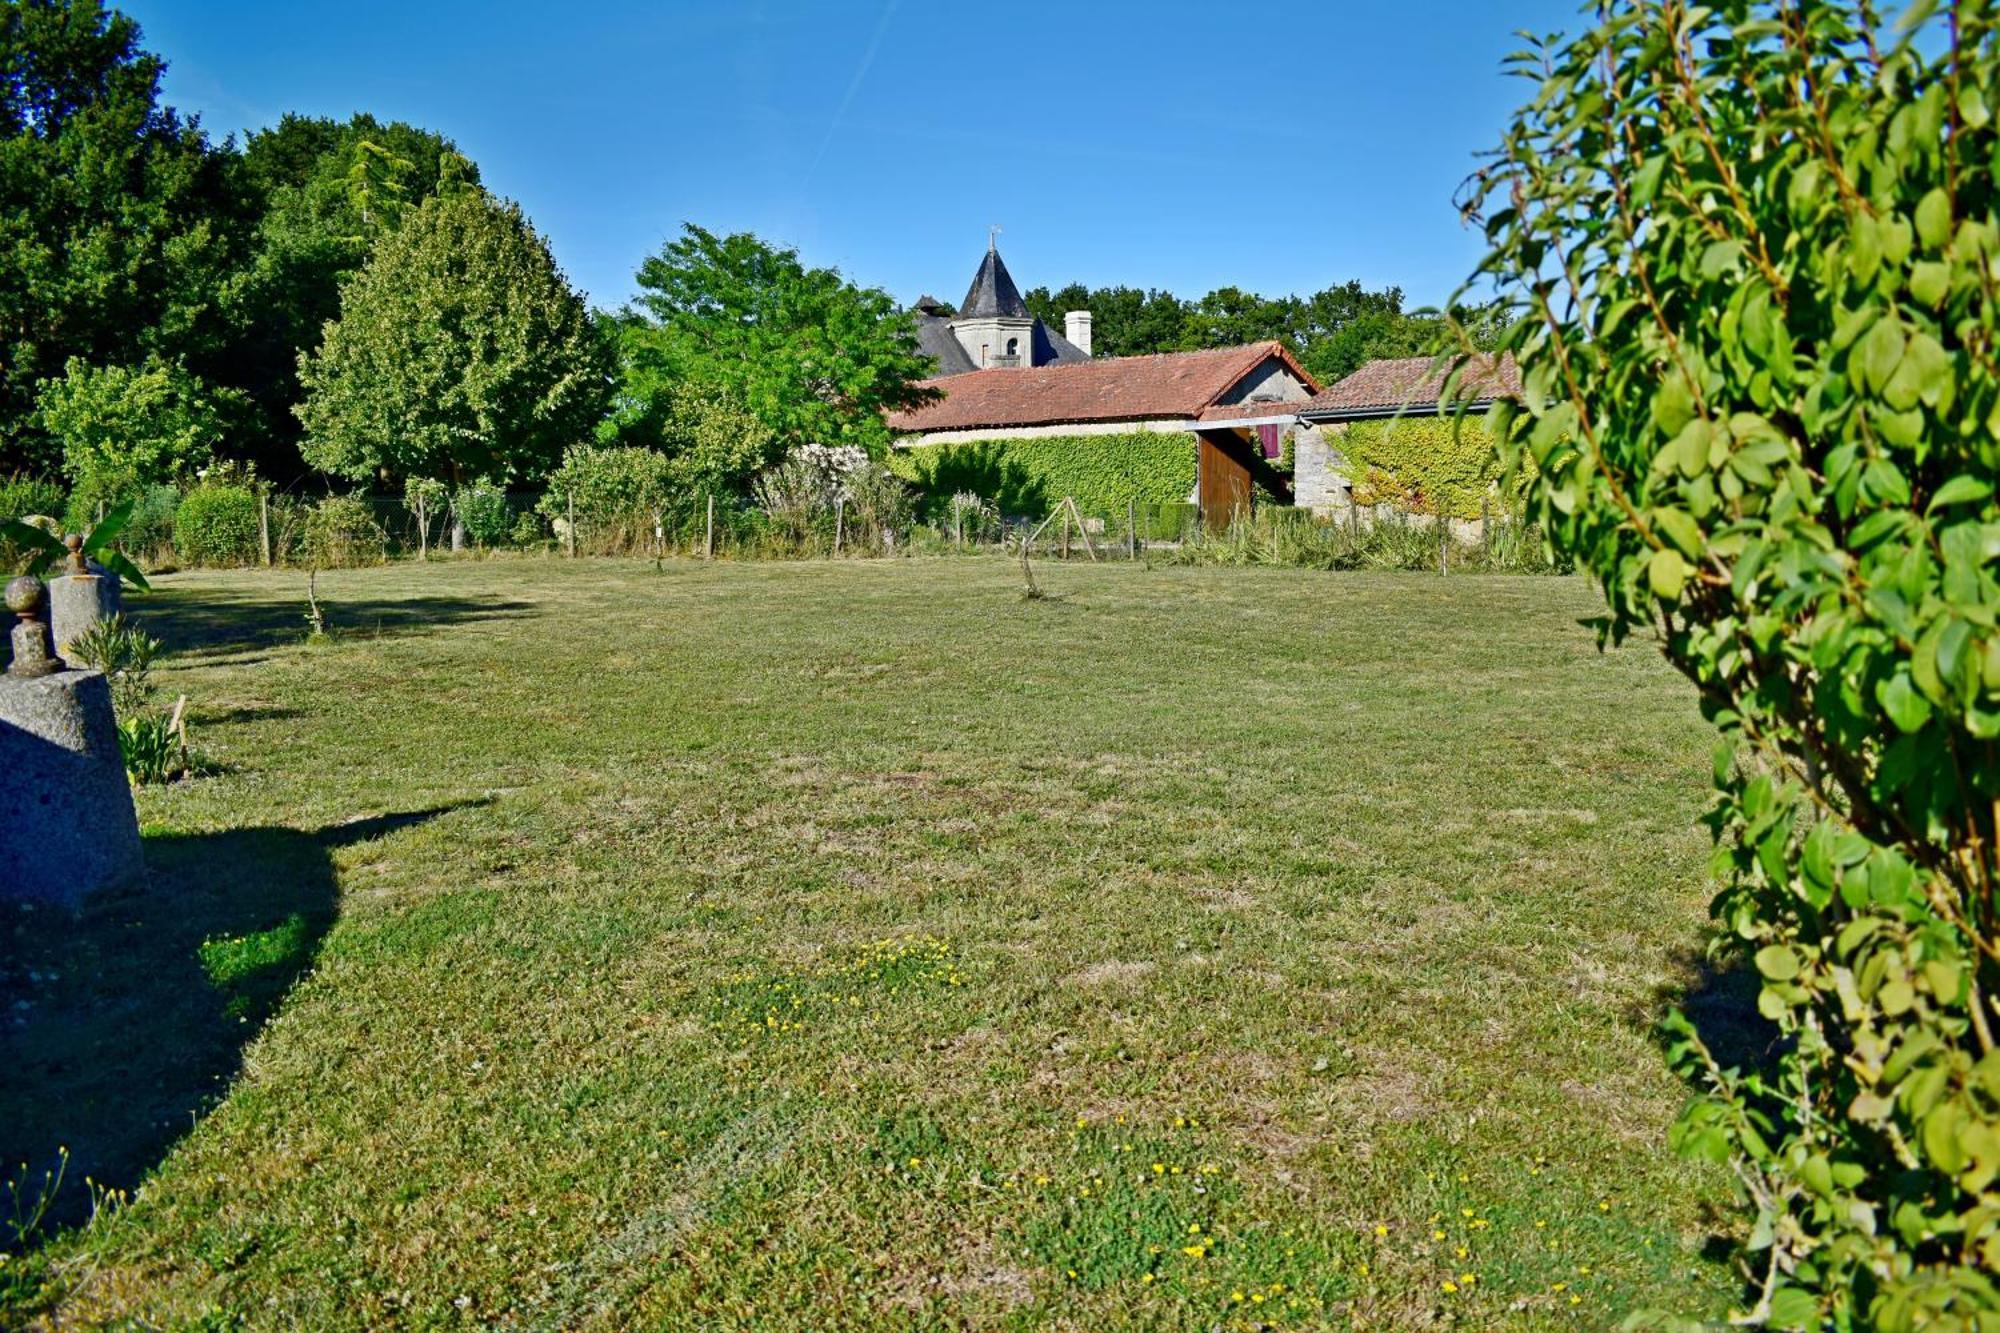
1013 347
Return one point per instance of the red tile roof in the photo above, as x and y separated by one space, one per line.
1126 388
1246 411
1415 383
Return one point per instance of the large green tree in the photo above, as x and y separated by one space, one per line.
324 194
119 223
816 358
1755 247
461 353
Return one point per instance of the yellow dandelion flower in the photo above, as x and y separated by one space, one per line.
1236 1296
1437 1235
1159 1168
1194 1228
1381 1230
1147 1278
1448 1286
1575 1299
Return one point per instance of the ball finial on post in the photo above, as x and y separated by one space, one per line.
32 656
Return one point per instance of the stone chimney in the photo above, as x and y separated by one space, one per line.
1076 328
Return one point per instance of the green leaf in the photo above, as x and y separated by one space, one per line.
1934 219
1930 282
1908 709
1778 962
1962 489
1667 572
1881 352
1679 527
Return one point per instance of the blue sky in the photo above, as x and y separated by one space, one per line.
1279 147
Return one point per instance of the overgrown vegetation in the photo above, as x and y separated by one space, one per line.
1026 477
1754 247
1434 465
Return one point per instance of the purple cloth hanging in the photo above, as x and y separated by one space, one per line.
1272 439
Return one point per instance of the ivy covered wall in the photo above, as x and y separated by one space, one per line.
1027 476
1428 465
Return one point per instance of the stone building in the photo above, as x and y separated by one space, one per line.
1403 386
993 329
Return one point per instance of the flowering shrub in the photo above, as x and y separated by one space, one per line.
1754 249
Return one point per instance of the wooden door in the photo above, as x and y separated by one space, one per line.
1222 483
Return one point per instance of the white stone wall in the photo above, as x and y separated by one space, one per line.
1318 483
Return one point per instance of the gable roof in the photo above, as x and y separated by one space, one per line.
1416 383
993 294
1171 385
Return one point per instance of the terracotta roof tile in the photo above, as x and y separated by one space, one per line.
1415 382
1247 411
1126 388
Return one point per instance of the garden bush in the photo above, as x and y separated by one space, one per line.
217 525
1752 250
341 531
1027 476
23 496
617 494
483 510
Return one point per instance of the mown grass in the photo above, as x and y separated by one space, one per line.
842 944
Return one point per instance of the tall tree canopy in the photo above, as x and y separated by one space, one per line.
461 353
118 222
324 193
814 357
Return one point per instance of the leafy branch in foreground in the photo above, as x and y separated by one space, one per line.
45 550
1753 251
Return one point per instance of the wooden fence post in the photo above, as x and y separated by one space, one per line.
1486 526
1131 528
264 525
708 535
569 504
839 521
1444 542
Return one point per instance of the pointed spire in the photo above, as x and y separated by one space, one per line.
993 294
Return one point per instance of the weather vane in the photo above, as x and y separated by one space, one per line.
993 237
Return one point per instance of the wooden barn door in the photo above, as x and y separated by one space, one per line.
1222 483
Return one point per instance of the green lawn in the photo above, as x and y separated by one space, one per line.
834 945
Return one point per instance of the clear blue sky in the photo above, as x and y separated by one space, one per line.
1280 147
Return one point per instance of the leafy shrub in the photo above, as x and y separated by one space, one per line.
125 655
1752 247
218 525
617 494
1028 476
529 530
483 510
124 428
341 531
22 496
150 531
153 748
427 499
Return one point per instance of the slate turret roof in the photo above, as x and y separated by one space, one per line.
993 294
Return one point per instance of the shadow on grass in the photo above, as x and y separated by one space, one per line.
120 1025
1720 999
208 622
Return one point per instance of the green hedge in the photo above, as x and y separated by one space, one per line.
1429 464
217 525
1026 477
